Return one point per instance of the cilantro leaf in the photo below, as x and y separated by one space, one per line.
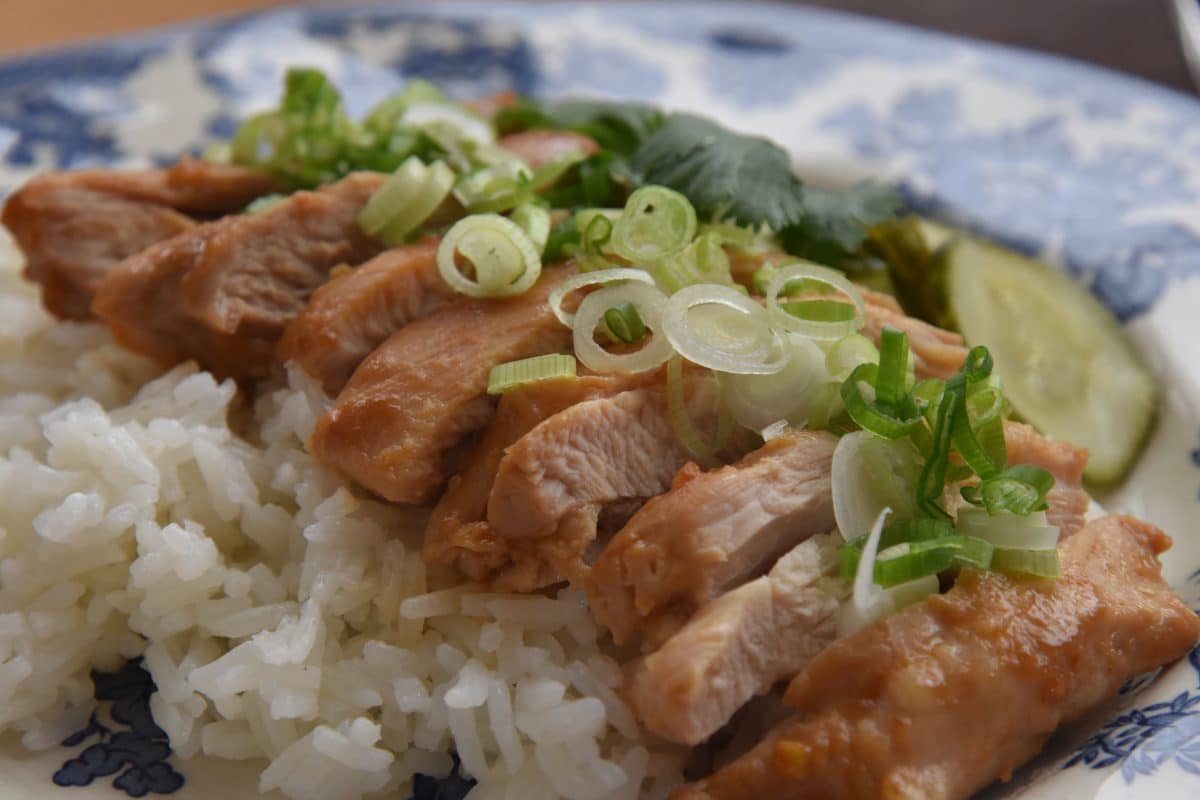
833 224
615 126
726 175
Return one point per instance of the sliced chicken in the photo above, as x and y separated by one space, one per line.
458 533
354 313
711 532
222 292
76 226
423 390
541 147
1068 501
741 644
554 483
937 353
939 700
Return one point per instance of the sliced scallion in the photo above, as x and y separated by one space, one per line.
703 453
648 301
624 324
816 327
534 219
597 278
722 329
505 260
405 200
512 374
1037 563
655 223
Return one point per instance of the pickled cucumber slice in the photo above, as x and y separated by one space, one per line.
1066 364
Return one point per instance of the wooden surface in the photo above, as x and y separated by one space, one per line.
1135 36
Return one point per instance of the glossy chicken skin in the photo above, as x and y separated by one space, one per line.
458 533
354 313
74 227
424 389
937 353
222 292
940 699
741 644
713 531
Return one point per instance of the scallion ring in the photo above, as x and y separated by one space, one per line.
648 301
702 452
600 276
655 223
506 262
512 374
720 328
405 200
535 221
826 329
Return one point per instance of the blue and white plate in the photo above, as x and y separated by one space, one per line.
1095 172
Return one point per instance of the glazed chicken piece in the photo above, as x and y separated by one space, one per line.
76 226
938 353
222 292
741 644
1067 500
711 532
354 313
424 389
553 485
458 533
939 700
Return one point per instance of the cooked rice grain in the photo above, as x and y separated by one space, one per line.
281 614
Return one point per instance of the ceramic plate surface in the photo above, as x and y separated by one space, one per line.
1097 173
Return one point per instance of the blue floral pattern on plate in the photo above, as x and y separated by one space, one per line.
1096 172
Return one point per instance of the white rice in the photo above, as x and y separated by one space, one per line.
282 614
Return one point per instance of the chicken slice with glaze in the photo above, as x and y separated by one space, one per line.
424 389
458 533
222 292
74 227
939 700
354 313
553 485
711 532
741 644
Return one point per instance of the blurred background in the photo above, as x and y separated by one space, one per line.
1134 36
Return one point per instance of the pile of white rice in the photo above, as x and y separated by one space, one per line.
282 615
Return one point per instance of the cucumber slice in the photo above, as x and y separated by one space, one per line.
1064 360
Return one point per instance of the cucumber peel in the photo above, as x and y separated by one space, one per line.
1065 362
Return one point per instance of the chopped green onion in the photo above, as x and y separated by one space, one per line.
1007 530
908 560
551 172
495 188
783 319
875 416
563 236
847 353
624 324
512 374
1019 489
719 328
703 453
405 200
442 116
655 223
889 379
649 303
932 482
535 221
761 278
385 116
1038 563
792 394
506 262
597 278
869 474
735 235
596 227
